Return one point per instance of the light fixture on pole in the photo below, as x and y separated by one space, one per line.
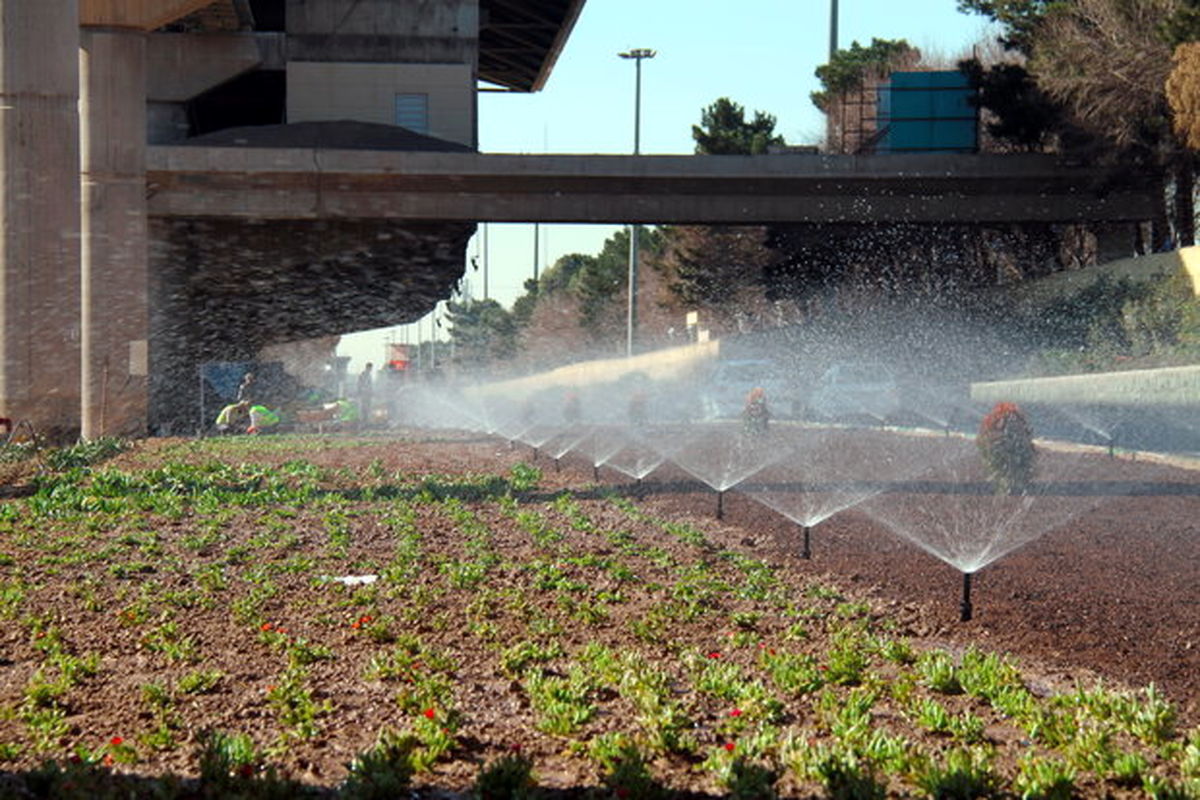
637 55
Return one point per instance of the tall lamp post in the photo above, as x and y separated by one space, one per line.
833 29
637 55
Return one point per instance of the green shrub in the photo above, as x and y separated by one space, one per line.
384 771
1044 779
1005 443
963 775
509 777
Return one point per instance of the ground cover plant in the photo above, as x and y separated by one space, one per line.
279 616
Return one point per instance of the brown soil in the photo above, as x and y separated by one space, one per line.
1114 594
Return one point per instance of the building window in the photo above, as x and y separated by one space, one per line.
412 112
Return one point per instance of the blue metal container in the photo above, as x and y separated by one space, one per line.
927 112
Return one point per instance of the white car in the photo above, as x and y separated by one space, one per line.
856 390
723 392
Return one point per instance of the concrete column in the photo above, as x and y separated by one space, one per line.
114 285
39 213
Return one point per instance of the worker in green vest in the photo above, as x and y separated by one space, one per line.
344 411
233 417
262 419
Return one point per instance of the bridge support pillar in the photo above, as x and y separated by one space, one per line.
114 275
39 213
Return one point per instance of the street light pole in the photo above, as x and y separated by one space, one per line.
637 55
833 29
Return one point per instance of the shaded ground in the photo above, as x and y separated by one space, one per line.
1113 593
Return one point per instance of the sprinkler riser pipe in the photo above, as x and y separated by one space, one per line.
806 552
965 610
720 504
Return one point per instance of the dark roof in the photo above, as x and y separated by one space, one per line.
519 40
337 135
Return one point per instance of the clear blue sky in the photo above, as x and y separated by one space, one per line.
759 53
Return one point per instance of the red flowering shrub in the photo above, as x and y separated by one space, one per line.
1005 444
755 414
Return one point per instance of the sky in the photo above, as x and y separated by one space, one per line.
761 54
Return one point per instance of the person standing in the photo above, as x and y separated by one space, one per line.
366 385
247 392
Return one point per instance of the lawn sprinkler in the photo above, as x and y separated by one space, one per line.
806 549
596 473
965 606
720 504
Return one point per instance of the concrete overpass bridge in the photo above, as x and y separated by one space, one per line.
258 245
249 183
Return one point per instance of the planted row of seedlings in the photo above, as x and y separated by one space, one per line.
208 624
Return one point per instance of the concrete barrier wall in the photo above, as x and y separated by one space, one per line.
676 363
1147 388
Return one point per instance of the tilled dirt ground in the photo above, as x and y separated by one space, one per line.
1113 589
1111 593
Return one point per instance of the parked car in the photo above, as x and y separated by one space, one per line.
849 390
723 392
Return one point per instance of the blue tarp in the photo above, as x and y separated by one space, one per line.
223 377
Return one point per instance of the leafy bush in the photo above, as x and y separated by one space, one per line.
384 771
962 775
84 454
626 773
1044 779
508 777
1005 444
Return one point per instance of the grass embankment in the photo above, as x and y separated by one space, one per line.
198 624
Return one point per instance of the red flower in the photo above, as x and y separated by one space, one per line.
430 713
714 654
364 618
266 626
737 712
729 746
116 741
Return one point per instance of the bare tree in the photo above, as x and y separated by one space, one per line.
1108 62
1183 93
